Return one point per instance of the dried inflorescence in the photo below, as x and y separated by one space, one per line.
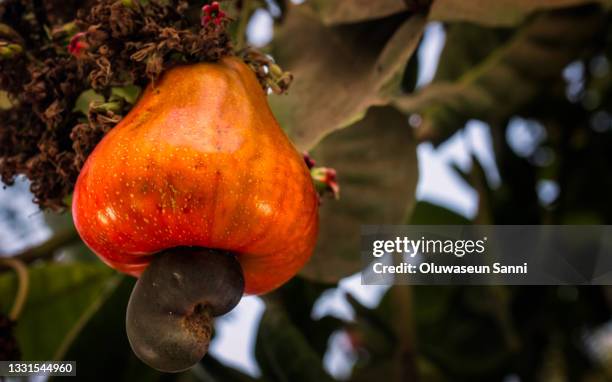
135 43
51 53
269 74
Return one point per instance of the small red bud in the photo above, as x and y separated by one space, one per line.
310 163
326 180
77 44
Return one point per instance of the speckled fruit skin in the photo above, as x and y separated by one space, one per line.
200 161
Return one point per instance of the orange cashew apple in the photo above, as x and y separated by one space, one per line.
198 168
200 161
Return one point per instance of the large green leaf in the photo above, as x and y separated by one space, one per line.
500 13
339 71
103 342
377 169
503 13
461 53
282 352
499 83
62 298
448 319
348 11
316 331
497 12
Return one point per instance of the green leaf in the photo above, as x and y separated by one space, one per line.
426 213
350 11
498 12
460 46
316 331
356 66
219 372
103 342
85 99
282 352
449 318
61 299
497 82
127 93
377 170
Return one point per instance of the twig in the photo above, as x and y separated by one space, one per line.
406 368
45 250
242 24
23 285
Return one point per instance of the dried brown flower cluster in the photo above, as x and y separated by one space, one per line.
53 53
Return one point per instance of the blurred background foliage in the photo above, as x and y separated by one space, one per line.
356 104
